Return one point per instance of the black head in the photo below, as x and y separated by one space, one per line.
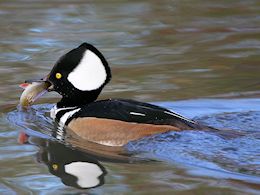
79 76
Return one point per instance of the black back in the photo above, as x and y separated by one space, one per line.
135 112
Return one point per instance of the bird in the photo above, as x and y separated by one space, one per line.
79 77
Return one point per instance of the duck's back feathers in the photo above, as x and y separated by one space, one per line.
134 112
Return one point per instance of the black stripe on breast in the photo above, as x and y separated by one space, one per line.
62 112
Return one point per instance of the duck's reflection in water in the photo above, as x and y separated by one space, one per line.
75 168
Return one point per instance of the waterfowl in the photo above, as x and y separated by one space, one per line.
79 77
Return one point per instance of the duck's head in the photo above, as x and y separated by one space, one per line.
79 76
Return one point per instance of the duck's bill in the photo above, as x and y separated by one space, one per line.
32 91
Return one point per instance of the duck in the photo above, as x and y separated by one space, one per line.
79 77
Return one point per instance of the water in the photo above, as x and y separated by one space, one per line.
200 59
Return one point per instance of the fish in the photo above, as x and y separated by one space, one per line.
32 91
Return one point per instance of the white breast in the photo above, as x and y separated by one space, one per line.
67 115
62 120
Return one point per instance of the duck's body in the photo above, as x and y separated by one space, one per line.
115 122
79 76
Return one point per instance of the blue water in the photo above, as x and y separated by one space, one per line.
234 155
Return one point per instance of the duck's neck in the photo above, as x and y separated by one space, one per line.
78 100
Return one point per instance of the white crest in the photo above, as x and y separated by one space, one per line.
90 73
86 173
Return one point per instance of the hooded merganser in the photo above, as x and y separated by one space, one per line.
79 76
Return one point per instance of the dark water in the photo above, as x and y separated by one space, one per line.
198 58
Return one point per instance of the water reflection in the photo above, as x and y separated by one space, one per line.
75 168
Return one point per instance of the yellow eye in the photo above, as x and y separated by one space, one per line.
58 75
55 167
